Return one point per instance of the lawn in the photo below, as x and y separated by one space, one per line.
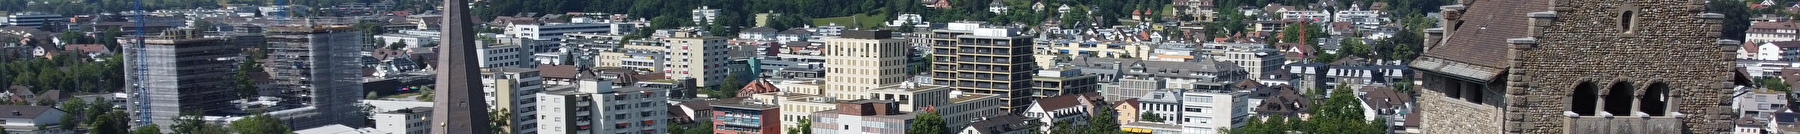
867 21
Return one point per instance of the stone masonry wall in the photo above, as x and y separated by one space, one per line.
1668 42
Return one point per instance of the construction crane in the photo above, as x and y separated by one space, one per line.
138 67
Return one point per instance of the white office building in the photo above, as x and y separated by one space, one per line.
1213 111
553 31
495 55
594 107
403 121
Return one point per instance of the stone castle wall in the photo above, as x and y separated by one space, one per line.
1665 41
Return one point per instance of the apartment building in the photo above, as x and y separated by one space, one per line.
513 90
860 61
692 55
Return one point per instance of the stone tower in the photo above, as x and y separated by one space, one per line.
1576 66
460 107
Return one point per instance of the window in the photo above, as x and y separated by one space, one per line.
1625 20
1619 99
1584 99
1655 101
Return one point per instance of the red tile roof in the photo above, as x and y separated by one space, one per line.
89 48
760 85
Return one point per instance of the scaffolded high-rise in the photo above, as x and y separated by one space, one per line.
183 73
313 67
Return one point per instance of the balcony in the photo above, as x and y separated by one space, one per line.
1623 125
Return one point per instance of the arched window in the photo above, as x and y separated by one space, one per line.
1655 100
1585 98
1619 99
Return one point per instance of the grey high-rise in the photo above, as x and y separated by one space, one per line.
182 74
460 106
314 68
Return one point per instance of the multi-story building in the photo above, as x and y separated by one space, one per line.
692 55
984 60
1062 81
313 70
553 31
1760 32
734 117
595 107
403 121
175 69
1306 15
911 97
862 116
705 16
31 19
637 54
1182 75
1760 102
1209 111
513 90
496 54
794 107
1254 58
1163 103
964 109
1133 87
860 61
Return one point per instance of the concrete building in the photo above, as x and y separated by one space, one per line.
1535 70
594 107
692 55
1212 111
1757 102
794 107
23 119
403 121
1761 31
861 61
174 66
741 117
1254 58
310 65
1063 81
1134 87
862 116
965 109
513 90
553 31
32 19
496 54
974 59
1182 75
642 55
705 16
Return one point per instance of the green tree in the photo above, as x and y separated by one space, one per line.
260 124
805 127
113 122
1354 46
72 117
1104 121
151 129
1737 17
928 122
500 119
1150 117
70 37
397 45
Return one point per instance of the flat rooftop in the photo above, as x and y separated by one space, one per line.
969 97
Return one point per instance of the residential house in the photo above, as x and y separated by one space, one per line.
22 119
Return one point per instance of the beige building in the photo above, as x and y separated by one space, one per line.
912 96
860 61
691 55
513 90
641 55
796 106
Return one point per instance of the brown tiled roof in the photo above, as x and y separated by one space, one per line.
1133 102
1383 97
90 48
761 85
1059 102
1486 24
558 71
1786 44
